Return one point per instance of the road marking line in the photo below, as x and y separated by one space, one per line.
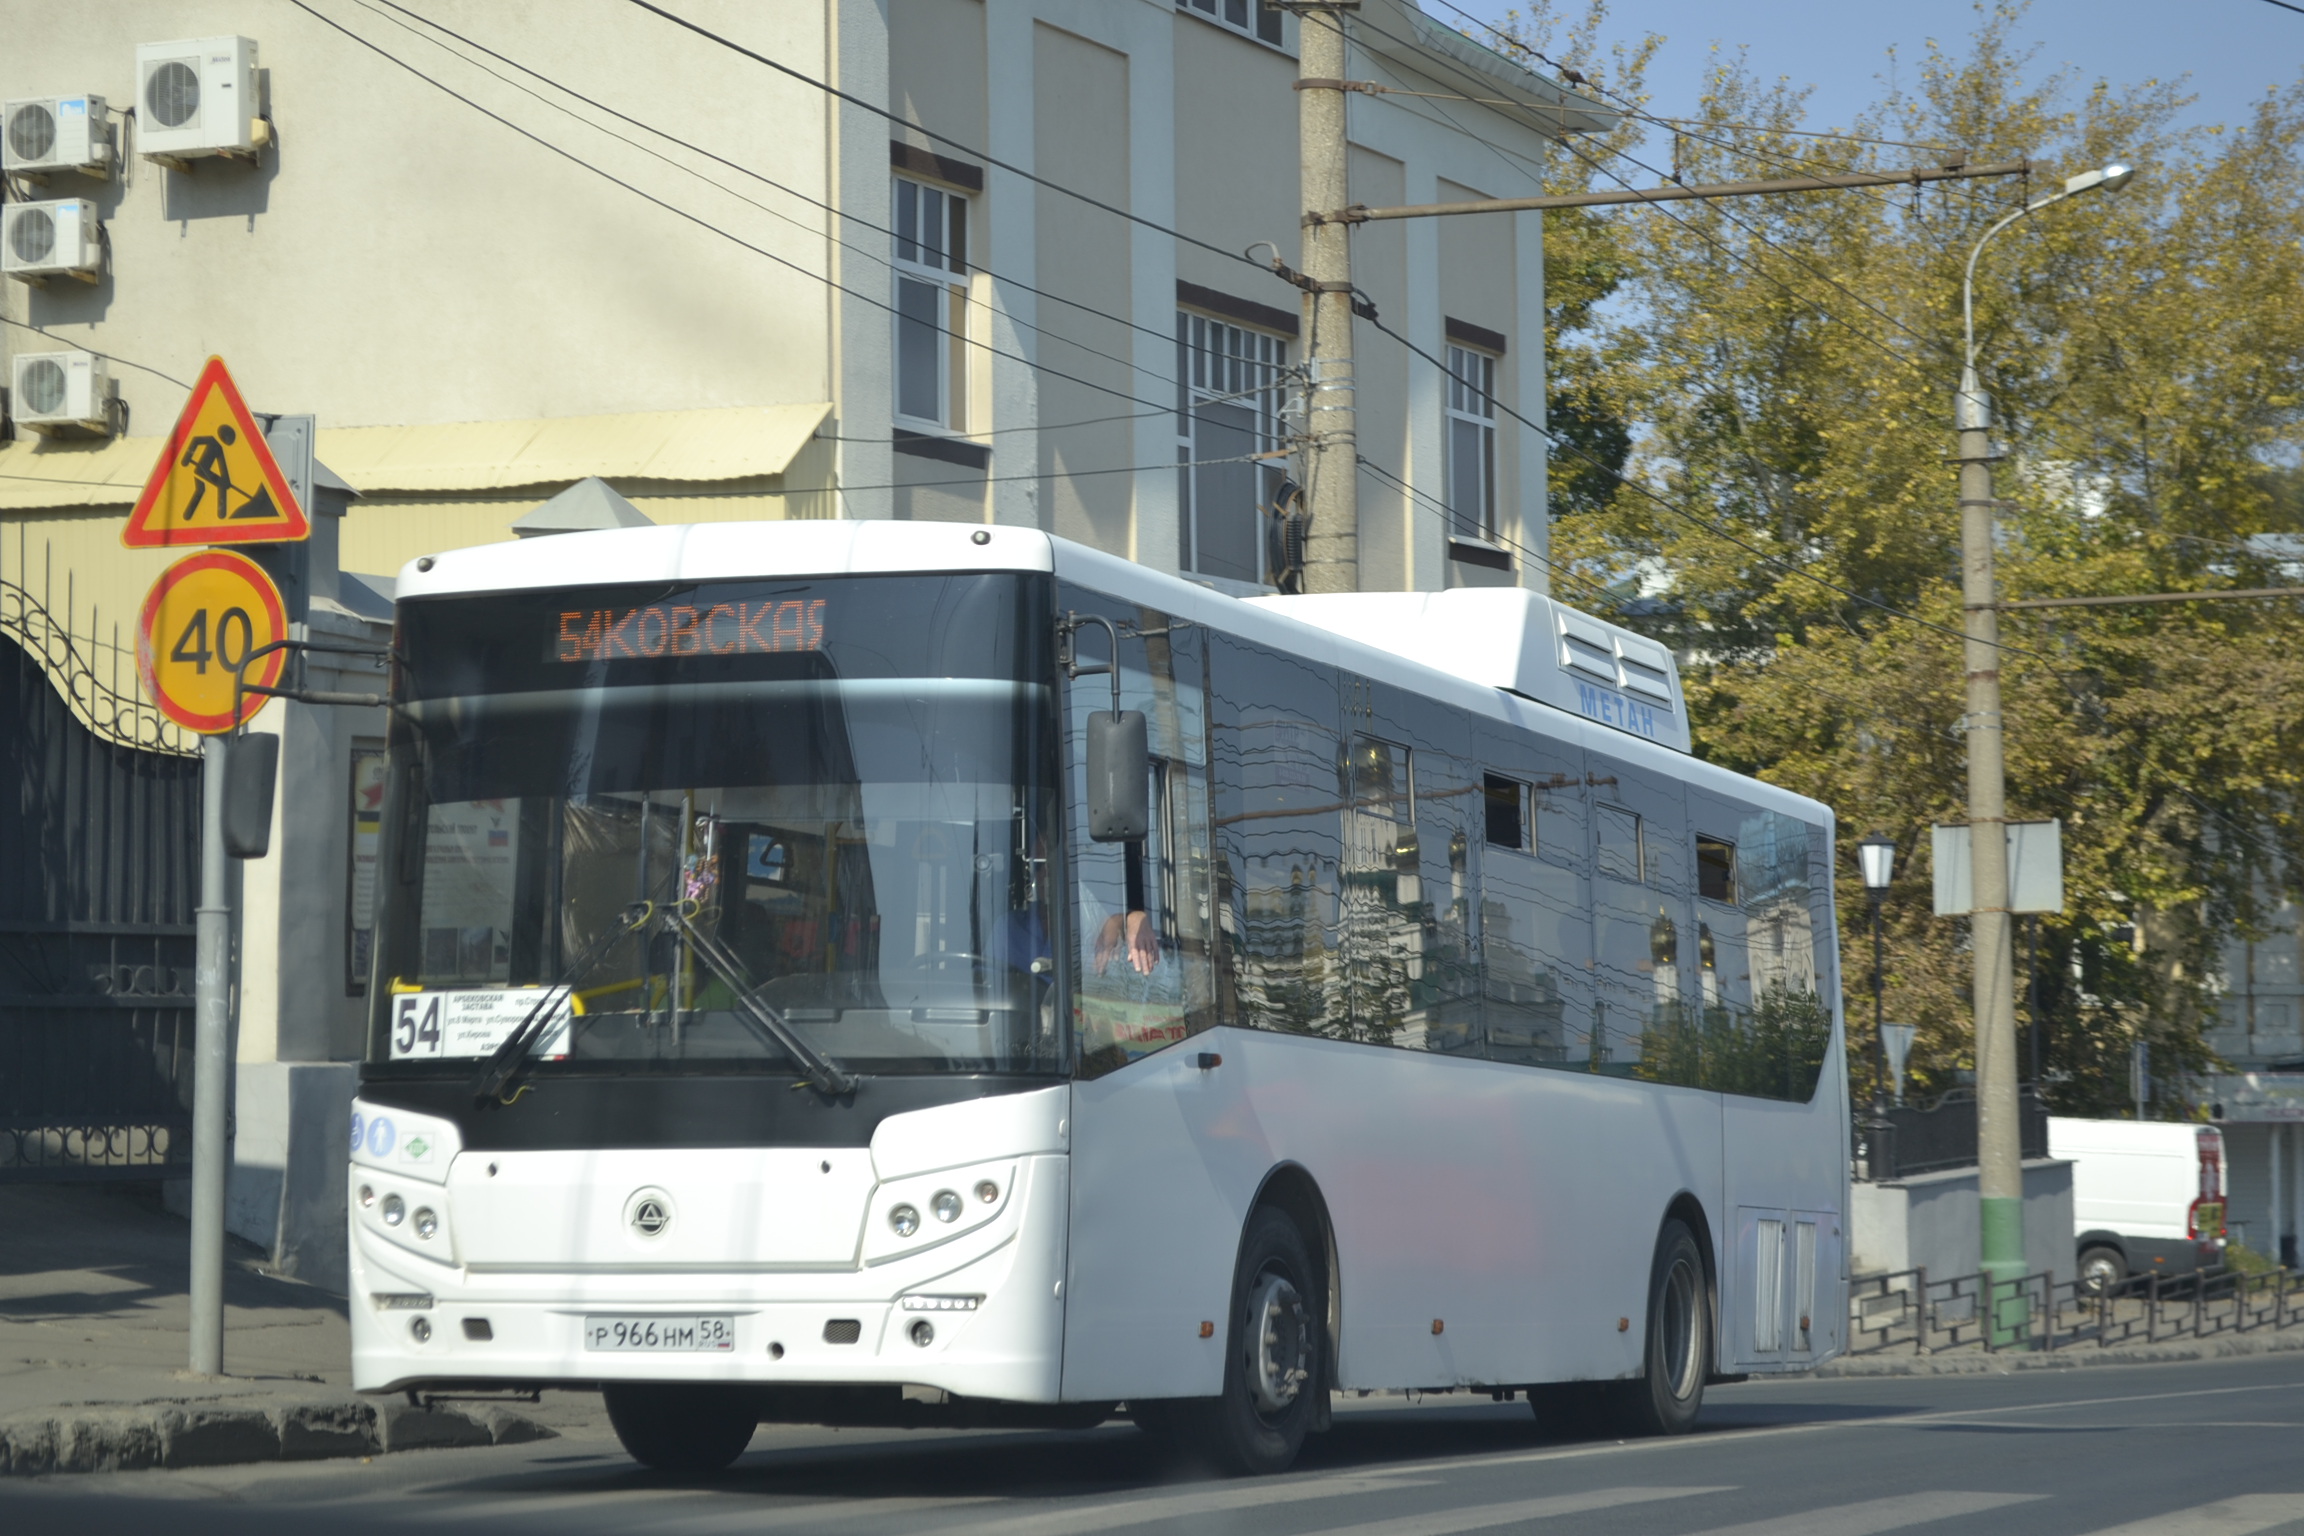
1216 1499
511 1506
1448 1522
1772 1431
1875 1515
817 1513
2226 1517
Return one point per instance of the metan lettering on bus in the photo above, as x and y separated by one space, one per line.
682 629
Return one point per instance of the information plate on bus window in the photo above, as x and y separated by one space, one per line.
645 1334
428 1026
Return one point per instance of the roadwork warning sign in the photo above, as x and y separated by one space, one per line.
216 482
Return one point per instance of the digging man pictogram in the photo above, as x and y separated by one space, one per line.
210 464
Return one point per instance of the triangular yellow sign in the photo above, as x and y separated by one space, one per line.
216 482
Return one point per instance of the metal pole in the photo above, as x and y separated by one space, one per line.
1679 194
1879 1015
1331 454
211 1076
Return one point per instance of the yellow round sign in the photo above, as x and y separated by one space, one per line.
201 620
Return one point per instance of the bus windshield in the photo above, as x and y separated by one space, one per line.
642 815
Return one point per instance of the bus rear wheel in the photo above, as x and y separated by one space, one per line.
682 1428
1274 1365
1670 1390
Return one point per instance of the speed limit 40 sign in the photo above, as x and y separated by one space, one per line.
200 622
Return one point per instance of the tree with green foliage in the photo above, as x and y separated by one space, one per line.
1779 374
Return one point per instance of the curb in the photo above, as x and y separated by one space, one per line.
1975 1362
211 1433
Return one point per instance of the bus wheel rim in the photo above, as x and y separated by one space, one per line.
1277 1344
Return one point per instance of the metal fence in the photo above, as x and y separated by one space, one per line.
1907 1310
1908 1140
99 841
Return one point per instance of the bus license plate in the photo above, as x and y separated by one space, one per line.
660 1333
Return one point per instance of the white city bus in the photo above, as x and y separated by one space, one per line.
811 984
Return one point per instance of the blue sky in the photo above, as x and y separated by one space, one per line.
2232 49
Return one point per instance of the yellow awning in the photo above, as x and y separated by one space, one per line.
733 443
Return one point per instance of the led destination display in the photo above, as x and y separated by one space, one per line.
689 629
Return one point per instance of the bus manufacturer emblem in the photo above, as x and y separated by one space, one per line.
650 1212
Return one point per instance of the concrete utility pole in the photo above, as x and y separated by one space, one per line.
1331 448
1999 1134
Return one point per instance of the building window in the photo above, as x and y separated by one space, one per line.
1258 18
931 270
1471 443
1227 409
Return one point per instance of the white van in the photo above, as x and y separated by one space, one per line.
2147 1196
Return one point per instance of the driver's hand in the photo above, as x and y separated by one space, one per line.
1108 942
1143 943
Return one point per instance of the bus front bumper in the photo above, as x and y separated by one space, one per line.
979 1316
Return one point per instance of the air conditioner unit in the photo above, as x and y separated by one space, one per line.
41 134
197 98
55 239
63 394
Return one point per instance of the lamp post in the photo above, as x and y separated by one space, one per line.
1876 861
1999 1154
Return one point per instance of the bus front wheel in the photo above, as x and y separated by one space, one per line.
681 1428
1665 1398
1274 1366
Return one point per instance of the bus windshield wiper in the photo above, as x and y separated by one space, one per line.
504 1063
824 1074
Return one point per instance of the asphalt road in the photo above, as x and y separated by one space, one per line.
2208 1449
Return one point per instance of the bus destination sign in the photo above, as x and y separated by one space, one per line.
684 629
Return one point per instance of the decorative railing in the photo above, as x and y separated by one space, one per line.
95 677
1907 1310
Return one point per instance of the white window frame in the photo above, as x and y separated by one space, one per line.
1222 360
1471 408
1248 18
937 263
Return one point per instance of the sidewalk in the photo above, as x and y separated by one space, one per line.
94 1341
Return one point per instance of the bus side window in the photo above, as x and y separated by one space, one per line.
1416 809
1141 911
1715 869
1535 932
1274 757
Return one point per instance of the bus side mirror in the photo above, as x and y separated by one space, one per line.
251 769
1119 777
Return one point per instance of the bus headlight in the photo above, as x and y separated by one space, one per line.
395 1210
946 1205
426 1222
905 1220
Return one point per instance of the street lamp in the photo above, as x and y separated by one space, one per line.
1999 1156
1876 861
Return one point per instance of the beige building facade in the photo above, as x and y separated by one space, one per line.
976 260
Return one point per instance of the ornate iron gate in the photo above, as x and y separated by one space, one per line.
99 874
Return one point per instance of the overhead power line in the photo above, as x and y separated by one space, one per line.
1725 249
81 346
973 153
697 219
1677 192
1775 562
744 170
